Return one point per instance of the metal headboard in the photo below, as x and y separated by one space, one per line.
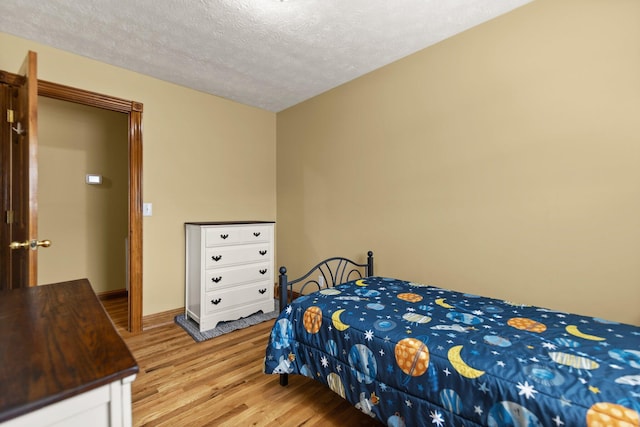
326 274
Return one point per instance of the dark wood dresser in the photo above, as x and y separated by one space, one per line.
62 360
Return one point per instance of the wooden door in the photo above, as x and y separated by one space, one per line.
20 179
7 95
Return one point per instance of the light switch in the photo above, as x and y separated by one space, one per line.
147 209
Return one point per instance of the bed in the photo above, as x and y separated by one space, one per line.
410 354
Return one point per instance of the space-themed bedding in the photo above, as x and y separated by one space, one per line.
409 354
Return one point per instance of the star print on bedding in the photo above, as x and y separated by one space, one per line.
410 354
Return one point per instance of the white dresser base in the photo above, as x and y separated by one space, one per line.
212 321
105 406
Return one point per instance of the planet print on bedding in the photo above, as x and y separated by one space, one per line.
455 346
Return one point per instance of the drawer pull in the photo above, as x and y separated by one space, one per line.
262 291
263 252
216 279
256 233
263 271
224 236
216 301
216 258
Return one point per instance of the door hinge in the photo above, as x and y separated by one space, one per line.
10 116
9 217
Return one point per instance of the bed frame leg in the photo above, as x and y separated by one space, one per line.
284 288
284 379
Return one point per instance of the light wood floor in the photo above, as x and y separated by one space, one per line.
220 382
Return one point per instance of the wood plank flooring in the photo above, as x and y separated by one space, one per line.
220 382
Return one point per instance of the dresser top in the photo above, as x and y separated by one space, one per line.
229 222
56 341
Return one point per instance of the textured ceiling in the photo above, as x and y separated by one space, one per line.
270 54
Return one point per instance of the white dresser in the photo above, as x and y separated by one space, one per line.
229 270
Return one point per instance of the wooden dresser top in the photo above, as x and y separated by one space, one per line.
56 341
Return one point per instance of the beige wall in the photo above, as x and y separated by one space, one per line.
503 162
86 223
205 158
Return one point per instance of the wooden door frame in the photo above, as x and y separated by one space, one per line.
134 111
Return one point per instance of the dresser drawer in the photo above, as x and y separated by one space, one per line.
222 256
216 236
239 295
230 276
256 234
223 236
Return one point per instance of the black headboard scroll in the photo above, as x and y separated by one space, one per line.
326 274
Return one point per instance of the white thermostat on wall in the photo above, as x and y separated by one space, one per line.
93 179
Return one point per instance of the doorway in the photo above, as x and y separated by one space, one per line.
134 111
82 194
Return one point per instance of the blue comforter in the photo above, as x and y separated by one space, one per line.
409 354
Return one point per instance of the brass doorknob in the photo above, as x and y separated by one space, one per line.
43 243
33 244
18 245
